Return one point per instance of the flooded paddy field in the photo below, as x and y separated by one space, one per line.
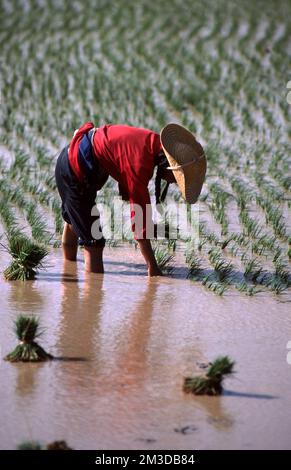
125 343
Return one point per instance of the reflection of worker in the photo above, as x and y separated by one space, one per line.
80 312
129 155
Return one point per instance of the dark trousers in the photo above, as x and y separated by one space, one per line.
78 200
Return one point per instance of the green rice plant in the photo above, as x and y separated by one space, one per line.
111 242
27 350
281 271
269 188
207 236
252 228
253 269
38 226
20 164
242 189
222 268
276 285
214 255
56 208
7 216
241 239
35 445
163 258
201 243
27 257
29 445
218 205
274 216
217 287
211 382
247 289
230 238
193 262
58 445
172 244
283 180
263 244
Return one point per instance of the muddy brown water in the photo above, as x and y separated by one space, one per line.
126 342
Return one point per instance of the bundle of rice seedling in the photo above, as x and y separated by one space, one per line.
27 350
29 445
58 445
35 445
210 383
27 257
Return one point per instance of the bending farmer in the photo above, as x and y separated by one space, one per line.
129 155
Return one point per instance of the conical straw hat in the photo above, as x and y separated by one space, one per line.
186 158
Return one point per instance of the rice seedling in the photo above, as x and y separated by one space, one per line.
217 287
252 228
172 243
222 268
163 258
193 262
270 189
247 289
58 445
276 285
210 383
281 271
220 199
201 243
7 216
253 269
27 350
27 257
38 226
35 445
29 445
274 216
230 238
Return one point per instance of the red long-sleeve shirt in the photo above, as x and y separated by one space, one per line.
128 154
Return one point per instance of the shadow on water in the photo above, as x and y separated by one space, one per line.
71 359
260 396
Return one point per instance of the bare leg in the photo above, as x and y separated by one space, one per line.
93 259
69 243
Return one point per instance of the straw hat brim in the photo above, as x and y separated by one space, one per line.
186 158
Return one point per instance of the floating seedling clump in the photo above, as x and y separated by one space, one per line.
210 383
27 350
35 445
58 445
27 257
29 445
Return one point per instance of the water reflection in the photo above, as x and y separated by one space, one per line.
27 378
216 413
79 313
132 356
25 297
